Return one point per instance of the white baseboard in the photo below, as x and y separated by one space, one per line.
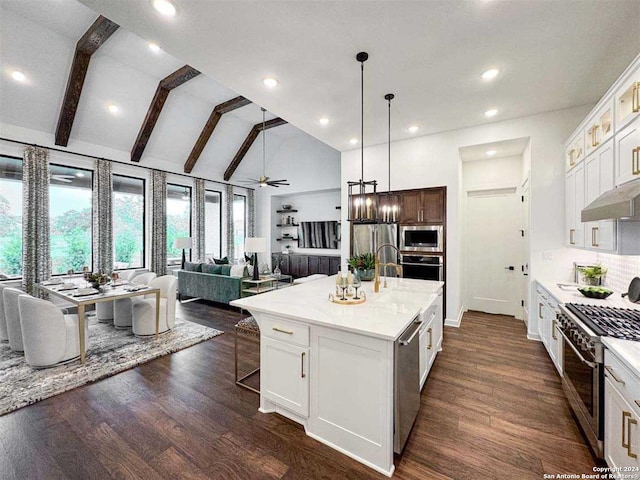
455 322
533 336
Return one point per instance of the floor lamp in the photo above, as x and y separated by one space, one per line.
255 245
183 243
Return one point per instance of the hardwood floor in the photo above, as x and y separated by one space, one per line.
492 408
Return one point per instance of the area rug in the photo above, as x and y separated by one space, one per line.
110 351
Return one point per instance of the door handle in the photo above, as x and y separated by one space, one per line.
510 267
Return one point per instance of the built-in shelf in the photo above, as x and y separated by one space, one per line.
288 225
286 211
286 238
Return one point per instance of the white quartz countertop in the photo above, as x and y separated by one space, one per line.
572 295
385 314
628 351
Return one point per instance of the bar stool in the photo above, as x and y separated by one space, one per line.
249 329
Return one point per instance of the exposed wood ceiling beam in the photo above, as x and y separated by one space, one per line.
165 86
210 126
93 39
246 145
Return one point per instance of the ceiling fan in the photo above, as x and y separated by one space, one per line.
265 181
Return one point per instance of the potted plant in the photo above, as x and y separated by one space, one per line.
593 275
98 279
363 265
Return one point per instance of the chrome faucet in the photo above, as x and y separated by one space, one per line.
376 285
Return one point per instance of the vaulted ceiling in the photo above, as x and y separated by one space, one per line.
39 38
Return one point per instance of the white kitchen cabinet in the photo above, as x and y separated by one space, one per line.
599 128
547 311
574 151
621 414
627 98
426 342
627 153
284 375
574 203
599 178
438 323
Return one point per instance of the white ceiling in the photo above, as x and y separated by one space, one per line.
552 55
505 148
39 39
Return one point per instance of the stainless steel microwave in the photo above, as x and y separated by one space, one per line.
421 238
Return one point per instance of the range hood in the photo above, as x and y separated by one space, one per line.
622 202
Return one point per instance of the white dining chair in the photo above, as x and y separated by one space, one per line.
50 337
105 310
123 307
12 316
4 336
144 310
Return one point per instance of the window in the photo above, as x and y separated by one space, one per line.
10 217
178 220
212 224
128 222
70 193
239 224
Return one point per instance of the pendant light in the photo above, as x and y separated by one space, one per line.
363 198
389 202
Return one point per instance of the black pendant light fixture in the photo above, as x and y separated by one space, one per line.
363 197
389 207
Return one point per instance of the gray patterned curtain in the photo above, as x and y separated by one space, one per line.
159 222
197 235
229 221
36 249
102 228
251 213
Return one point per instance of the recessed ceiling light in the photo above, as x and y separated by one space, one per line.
113 108
270 82
490 74
164 7
353 141
324 121
491 113
154 47
18 76
413 128
491 153
79 174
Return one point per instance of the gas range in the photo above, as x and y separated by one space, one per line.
608 321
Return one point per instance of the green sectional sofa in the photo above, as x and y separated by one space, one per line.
209 282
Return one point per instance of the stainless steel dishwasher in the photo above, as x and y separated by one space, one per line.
406 383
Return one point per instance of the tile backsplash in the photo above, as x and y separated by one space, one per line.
621 270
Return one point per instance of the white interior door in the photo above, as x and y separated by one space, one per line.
524 258
493 251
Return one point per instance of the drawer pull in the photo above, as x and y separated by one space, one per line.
430 332
276 329
624 417
630 421
302 375
613 375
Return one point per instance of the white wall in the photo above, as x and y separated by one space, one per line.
310 166
433 160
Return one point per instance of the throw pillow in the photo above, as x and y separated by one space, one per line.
225 270
221 261
192 267
214 269
238 271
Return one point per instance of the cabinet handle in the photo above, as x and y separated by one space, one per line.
302 375
624 417
635 98
635 161
630 421
571 161
429 331
594 136
594 237
540 311
613 374
276 329
571 240
553 329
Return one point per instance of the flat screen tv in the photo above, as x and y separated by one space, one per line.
318 234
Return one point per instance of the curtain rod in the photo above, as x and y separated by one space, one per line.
120 163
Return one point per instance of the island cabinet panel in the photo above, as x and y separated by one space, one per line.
284 375
352 392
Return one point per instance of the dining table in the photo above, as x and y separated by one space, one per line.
81 297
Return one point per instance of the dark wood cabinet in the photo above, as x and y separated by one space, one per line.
422 206
298 265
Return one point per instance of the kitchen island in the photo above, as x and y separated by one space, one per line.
331 367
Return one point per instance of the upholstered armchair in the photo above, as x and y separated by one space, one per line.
123 307
12 317
105 310
4 336
144 310
50 337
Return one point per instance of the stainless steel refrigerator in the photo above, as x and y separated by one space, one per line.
368 237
